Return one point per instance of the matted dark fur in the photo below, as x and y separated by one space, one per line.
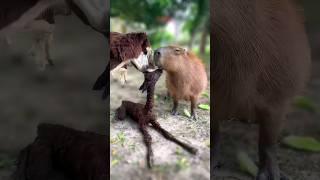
63 153
124 47
144 116
260 61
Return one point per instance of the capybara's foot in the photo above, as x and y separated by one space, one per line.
50 62
217 165
174 112
268 174
194 117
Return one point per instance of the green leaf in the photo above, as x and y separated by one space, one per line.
305 103
246 164
204 106
302 143
114 162
186 113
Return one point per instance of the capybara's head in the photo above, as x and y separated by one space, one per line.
169 58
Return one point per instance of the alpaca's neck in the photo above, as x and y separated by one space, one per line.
150 99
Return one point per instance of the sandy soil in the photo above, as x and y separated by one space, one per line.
62 94
171 161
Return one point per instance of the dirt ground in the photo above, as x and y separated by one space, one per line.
296 164
171 161
62 94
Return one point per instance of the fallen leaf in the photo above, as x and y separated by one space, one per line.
186 113
246 164
204 106
302 143
305 103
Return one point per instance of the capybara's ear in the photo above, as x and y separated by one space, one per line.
179 50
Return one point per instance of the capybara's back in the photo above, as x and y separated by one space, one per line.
260 57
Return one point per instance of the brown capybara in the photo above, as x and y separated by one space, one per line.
260 62
186 77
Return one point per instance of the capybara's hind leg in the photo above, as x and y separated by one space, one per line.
269 129
174 110
193 107
147 140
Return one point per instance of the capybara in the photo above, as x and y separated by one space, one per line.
260 62
186 77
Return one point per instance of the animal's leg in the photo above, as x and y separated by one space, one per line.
38 51
167 96
8 41
121 112
216 144
269 129
175 107
43 38
147 140
170 137
193 106
48 43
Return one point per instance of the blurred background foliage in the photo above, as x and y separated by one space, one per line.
180 22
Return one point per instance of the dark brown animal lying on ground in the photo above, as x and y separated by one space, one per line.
260 61
124 49
186 77
143 115
63 153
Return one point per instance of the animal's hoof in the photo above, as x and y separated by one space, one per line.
150 161
50 62
217 165
268 175
194 117
174 112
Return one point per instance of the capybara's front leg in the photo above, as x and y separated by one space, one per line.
193 107
269 129
174 110
147 140
216 144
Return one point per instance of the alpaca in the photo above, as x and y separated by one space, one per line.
143 115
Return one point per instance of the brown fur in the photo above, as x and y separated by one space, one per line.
186 76
60 153
260 61
124 47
